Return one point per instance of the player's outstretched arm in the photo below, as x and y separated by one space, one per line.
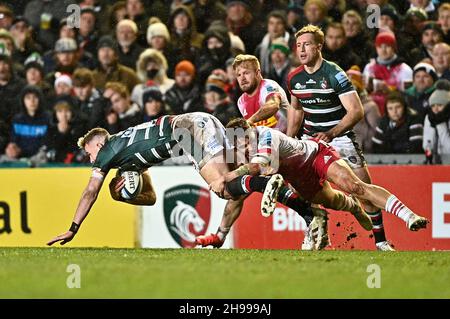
88 198
269 109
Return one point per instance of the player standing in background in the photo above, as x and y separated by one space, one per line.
325 102
263 101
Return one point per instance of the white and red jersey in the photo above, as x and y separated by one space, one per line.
274 146
249 105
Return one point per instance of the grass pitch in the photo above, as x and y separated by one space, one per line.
206 273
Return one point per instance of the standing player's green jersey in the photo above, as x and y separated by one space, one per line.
138 147
318 94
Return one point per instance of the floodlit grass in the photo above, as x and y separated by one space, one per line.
207 273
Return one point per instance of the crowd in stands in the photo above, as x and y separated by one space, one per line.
121 63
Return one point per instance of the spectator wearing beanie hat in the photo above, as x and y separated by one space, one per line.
387 72
431 35
280 63
217 101
366 128
424 76
436 135
185 94
216 50
34 74
158 38
109 69
154 106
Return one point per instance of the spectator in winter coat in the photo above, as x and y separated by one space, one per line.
123 112
129 49
400 131
423 85
30 127
185 94
387 72
436 135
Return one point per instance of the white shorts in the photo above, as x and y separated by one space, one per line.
201 136
348 150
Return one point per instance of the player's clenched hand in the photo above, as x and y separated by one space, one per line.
64 238
115 186
324 136
218 187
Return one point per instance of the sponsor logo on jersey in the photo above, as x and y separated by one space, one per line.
270 89
299 86
316 100
311 81
187 212
342 78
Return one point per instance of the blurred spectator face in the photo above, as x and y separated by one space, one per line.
420 3
120 14
5 21
87 23
430 38
33 76
307 49
422 81
395 111
275 27
313 14
292 18
66 58
153 107
158 42
67 32
31 102
334 39
19 27
351 26
183 79
441 56
63 115
134 8
8 44
214 43
125 35
247 77
63 89
107 56
181 22
83 93
236 12
5 71
119 104
278 57
437 108
212 98
387 22
385 51
444 20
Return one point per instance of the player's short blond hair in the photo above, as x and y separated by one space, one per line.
444 7
246 59
89 136
317 32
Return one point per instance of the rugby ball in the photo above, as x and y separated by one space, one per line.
133 184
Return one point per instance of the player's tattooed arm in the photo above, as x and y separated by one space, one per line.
269 109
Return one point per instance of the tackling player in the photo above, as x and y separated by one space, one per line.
307 165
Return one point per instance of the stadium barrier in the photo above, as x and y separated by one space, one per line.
38 204
425 189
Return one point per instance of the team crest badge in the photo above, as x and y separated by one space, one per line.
187 212
323 83
297 86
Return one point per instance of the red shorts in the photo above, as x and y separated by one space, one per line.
308 177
